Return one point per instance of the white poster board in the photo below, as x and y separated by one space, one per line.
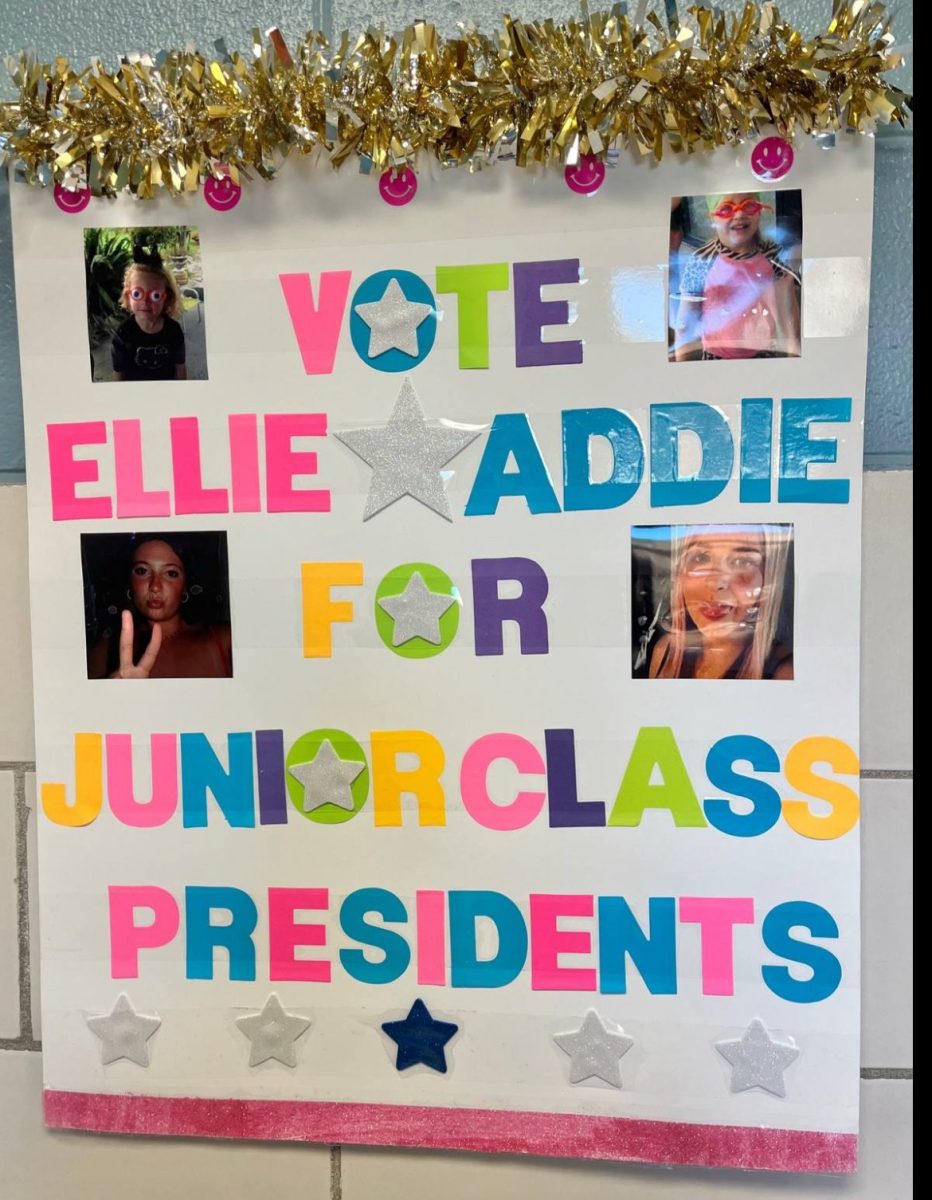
605 902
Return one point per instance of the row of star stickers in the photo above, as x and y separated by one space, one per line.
595 1049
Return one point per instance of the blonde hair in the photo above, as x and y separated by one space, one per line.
682 635
173 301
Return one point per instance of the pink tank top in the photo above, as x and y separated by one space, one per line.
738 317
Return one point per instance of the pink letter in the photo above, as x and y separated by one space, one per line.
244 462
716 917
317 329
131 496
65 471
190 494
474 781
285 934
126 937
431 939
282 463
120 791
548 943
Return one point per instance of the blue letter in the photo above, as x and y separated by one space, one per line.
511 434
718 454
236 937
826 969
798 450
201 770
395 949
466 968
766 805
756 450
621 935
580 425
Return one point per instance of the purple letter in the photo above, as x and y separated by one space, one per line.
492 610
270 768
566 809
532 313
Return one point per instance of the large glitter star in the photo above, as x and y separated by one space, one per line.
327 778
124 1032
757 1060
420 1039
407 454
416 612
594 1050
273 1033
393 321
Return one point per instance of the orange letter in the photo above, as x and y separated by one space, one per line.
88 785
423 781
318 610
845 806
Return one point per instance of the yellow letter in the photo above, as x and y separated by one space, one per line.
318 611
843 799
88 785
422 781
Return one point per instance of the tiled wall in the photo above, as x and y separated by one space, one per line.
36 1164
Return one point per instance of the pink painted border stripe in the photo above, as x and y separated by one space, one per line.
559 1135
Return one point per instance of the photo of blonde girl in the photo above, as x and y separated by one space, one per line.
145 304
713 601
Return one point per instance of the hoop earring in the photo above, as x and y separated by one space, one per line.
129 594
185 596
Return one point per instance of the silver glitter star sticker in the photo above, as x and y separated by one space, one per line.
273 1033
407 454
326 779
124 1032
393 321
594 1050
416 612
757 1060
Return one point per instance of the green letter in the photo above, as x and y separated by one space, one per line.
472 285
656 747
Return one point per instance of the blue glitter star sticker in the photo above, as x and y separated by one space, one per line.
420 1038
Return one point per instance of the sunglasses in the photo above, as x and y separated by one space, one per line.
750 207
156 295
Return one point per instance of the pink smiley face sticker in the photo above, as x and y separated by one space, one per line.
587 176
398 188
72 202
772 158
222 194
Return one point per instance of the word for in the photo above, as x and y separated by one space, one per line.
320 612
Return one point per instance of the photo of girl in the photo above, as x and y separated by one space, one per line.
157 606
735 276
150 342
144 301
712 601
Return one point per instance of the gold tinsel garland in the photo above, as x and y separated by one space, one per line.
539 92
